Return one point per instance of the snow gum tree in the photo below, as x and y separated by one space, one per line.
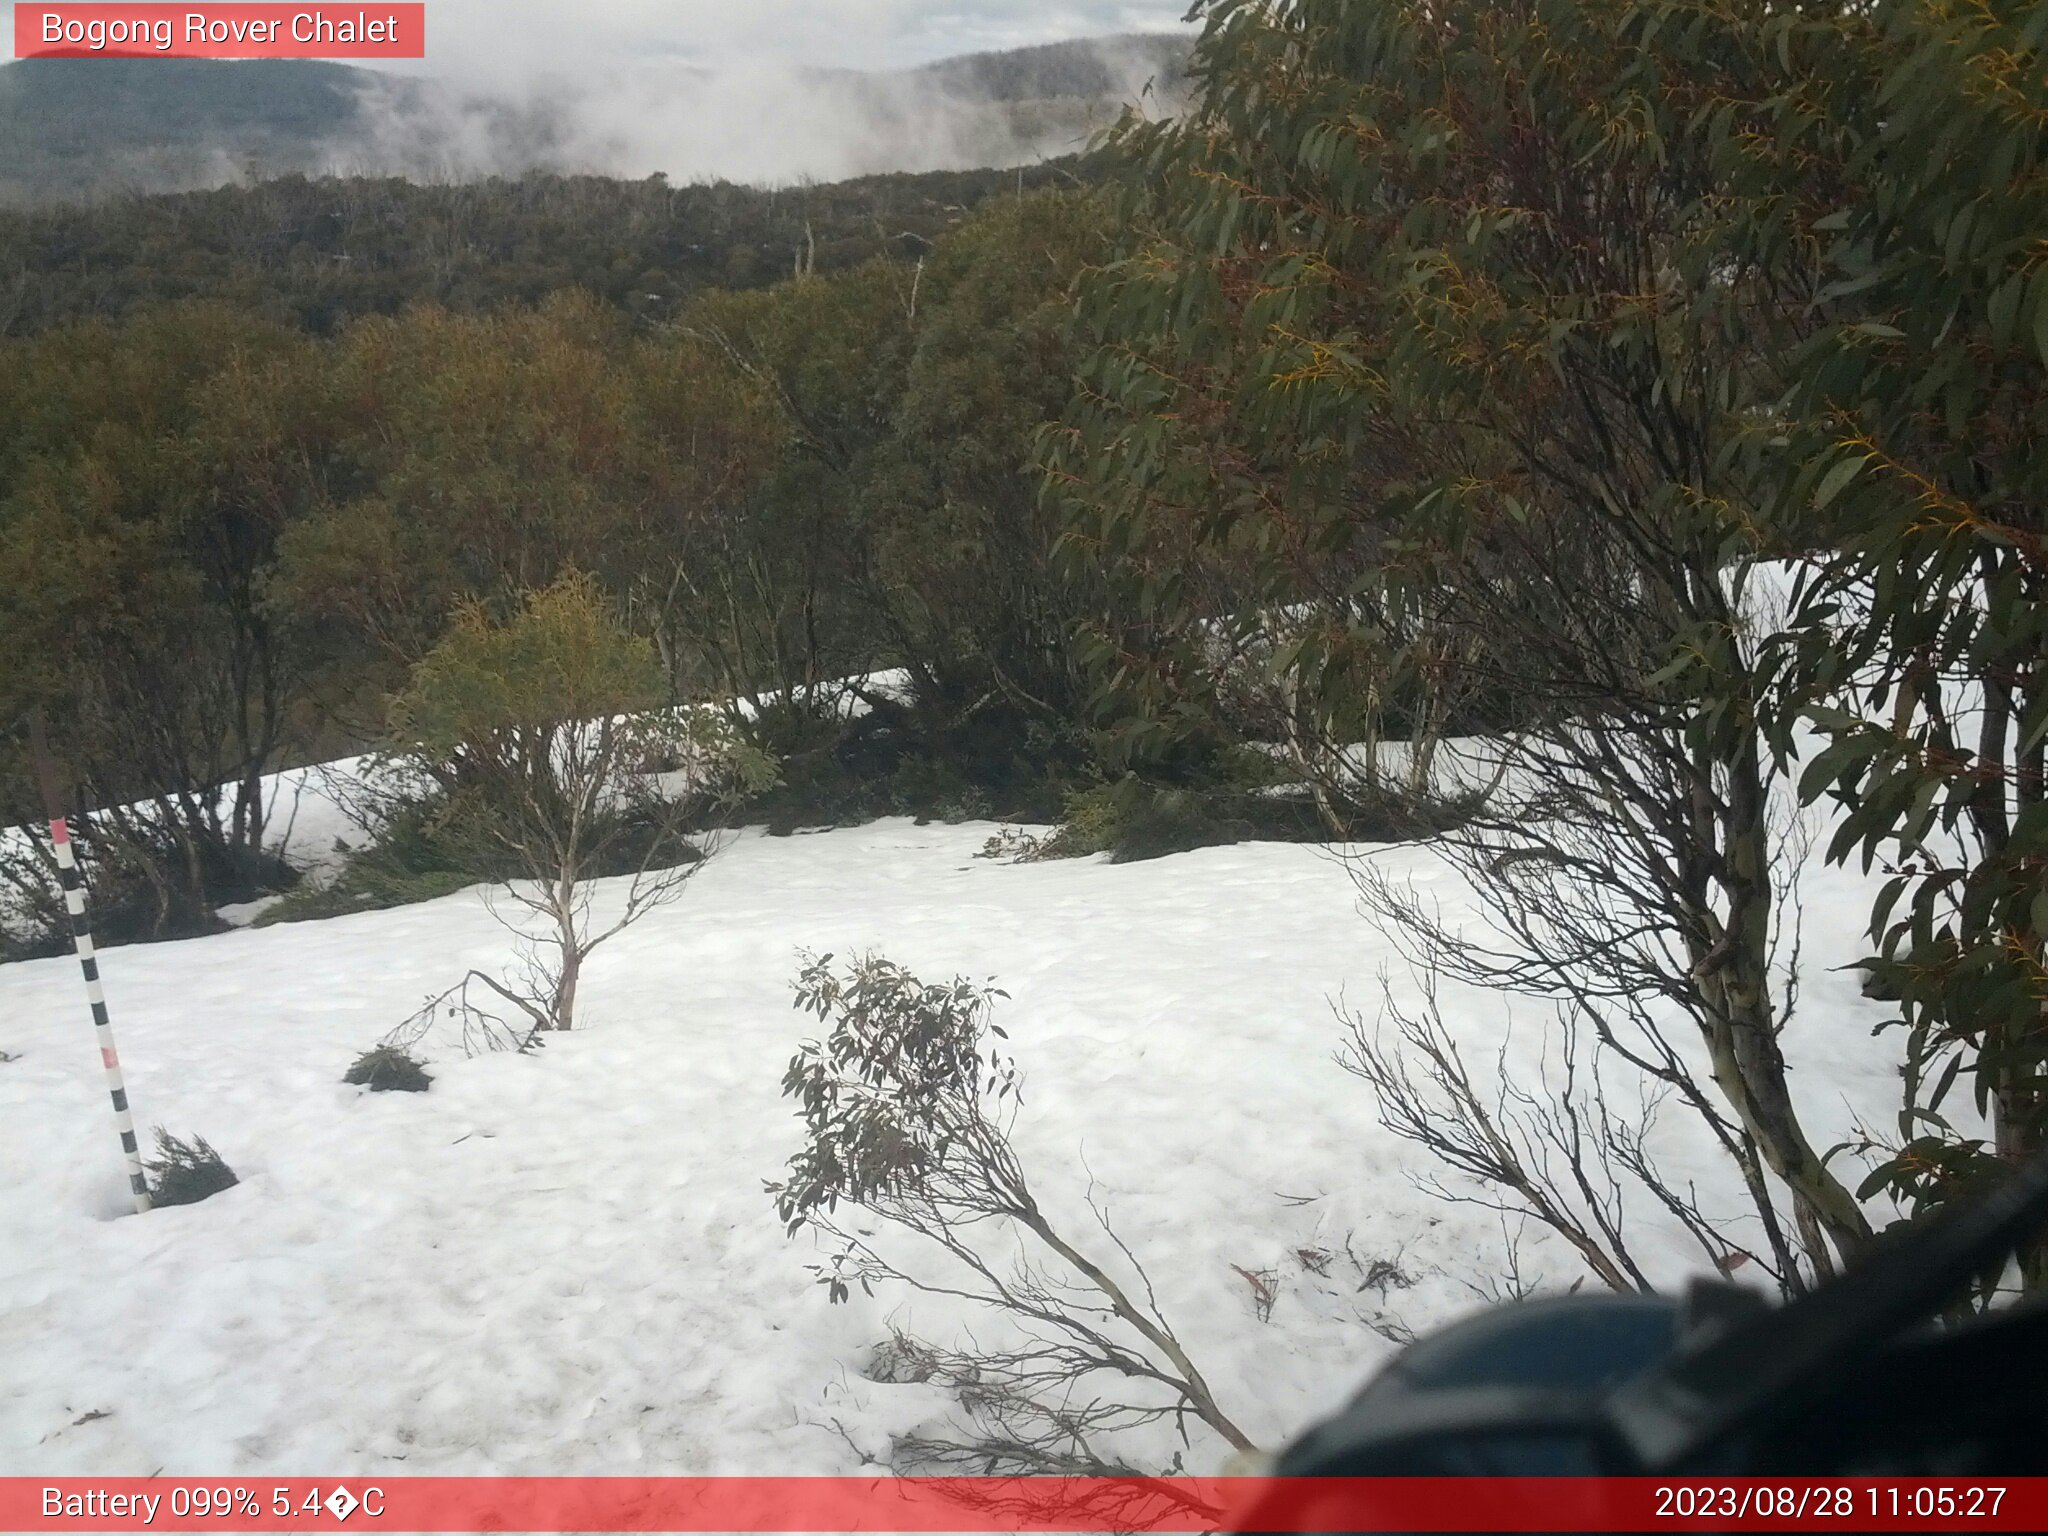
1907 455
147 475
1509 339
1428 371
546 741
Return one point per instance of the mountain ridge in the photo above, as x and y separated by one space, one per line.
81 129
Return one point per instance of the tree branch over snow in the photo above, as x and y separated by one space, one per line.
907 1111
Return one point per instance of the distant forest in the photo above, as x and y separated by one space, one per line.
314 253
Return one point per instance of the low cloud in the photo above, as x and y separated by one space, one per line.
763 120
767 93
504 45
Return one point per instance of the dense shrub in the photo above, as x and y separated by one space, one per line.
21 940
413 859
186 1172
1133 819
409 861
131 900
646 836
388 1069
910 760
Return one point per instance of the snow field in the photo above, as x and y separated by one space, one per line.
566 1263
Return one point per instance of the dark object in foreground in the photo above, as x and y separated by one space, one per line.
388 1069
1855 1378
186 1172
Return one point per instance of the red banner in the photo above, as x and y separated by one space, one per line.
359 31
1181 1504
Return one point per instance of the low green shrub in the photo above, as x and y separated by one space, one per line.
647 839
363 890
827 788
407 863
388 1069
953 751
133 900
30 941
186 1172
1132 819
416 858
1169 821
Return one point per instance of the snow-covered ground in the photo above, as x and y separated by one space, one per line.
566 1262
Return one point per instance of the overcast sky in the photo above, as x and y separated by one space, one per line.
483 39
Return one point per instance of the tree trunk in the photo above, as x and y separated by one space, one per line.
1741 1031
565 988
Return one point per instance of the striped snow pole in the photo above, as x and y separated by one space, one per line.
88 960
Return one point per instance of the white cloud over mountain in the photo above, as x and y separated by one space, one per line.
763 91
499 41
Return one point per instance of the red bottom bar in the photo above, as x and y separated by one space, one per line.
911 1504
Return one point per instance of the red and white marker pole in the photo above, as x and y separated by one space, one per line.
88 959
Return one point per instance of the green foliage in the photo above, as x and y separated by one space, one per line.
146 475
854 778
1133 819
480 457
19 946
963 542
1378 417
265 535
560 660
647 834
388 1069
897 522
486 722
544 733
364 887
907 1106
903 1091
315 254
1423 393
134 890
186 1172
1915 444
1466 356
1097 819
1344 371
409 861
